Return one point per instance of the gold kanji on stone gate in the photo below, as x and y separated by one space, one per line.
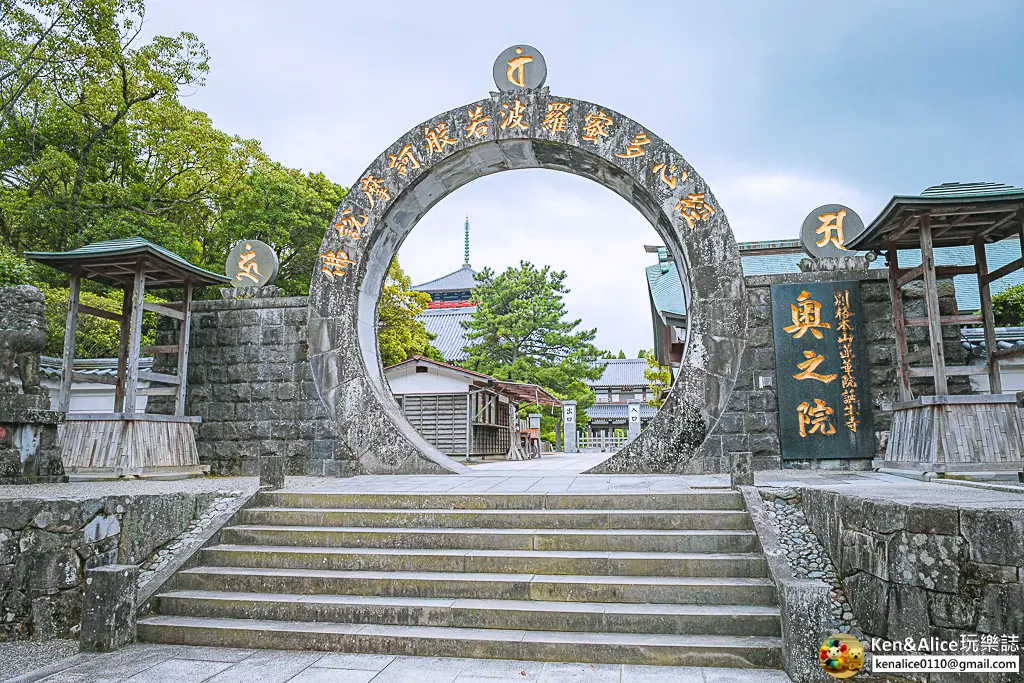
846 357
556 118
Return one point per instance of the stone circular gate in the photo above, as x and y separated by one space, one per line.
507 131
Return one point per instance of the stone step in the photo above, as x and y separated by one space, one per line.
722 499
638 540
530 615
561 562
639 648
506 519
500 586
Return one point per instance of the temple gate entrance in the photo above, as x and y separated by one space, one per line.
523 126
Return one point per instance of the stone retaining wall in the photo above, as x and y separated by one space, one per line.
46 545
751 420
914 570
249 379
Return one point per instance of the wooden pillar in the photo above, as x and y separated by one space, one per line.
70 328
931 300
899 322
183 334
995 381
131 375
122 349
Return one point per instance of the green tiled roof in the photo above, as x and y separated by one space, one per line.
960 212
668 292
666 289
963 190
95 259
967 297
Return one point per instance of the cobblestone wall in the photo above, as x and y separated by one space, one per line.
751 420
249 379
916 569
46 545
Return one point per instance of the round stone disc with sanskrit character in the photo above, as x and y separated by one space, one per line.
507 131
252 263
520 67
827 229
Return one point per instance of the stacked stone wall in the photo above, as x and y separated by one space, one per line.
751 420
249 380
918 570
46 546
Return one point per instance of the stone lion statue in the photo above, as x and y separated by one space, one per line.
22 337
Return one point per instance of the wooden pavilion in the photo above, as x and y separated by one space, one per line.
946 433
126 442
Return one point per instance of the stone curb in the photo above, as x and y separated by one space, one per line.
803 603
56 667
190 557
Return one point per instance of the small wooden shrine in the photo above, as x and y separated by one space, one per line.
127 442
946 433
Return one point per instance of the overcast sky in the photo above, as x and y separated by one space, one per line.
780 106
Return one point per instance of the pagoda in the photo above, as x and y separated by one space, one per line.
450 305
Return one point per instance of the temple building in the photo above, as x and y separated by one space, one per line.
450 305
621 382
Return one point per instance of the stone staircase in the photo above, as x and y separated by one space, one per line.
672 579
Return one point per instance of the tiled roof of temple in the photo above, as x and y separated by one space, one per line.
458 281
446 323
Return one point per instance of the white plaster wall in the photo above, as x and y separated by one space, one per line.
88 397
1012 374
405 380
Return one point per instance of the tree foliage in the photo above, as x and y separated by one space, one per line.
96 144
1008 306
400 335
659 376
519 332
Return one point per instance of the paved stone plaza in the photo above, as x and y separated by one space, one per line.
178 664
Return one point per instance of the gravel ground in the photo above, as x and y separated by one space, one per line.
806 555
20 657
186 539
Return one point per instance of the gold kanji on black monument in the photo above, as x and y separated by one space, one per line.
821 371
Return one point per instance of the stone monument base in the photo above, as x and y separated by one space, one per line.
29 453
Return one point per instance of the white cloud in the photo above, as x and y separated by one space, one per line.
771 205
554 219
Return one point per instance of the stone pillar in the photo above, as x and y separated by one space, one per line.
741 471
108 612
534 423
29 452
569 422
272 471
633 420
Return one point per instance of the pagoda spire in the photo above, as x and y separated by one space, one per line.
465 262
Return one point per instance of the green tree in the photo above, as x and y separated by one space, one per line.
1008 306
14 270
399 334
286 209
519 331
659 376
